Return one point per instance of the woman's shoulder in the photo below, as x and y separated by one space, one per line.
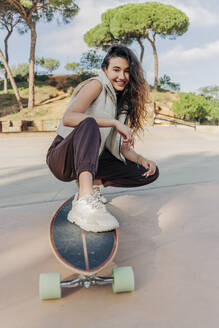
93 85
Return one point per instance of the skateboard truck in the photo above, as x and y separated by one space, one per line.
86 282
50 284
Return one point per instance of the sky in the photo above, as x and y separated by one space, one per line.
191 59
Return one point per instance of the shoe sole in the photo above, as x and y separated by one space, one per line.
90 228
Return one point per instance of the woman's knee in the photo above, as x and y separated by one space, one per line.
154 177
150 178
156 173
89 122
88 127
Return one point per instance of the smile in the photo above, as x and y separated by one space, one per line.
121 83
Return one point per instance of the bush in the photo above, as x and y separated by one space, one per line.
41 78
1 84
19 78
53 82
74 81
193 107
20 72
214 117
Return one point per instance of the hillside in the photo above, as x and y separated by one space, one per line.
51 102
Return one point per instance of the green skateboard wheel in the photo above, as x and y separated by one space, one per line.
123 280
49 286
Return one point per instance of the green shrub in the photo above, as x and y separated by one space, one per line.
74 81
41 78
20 72
214 117
53 82
193 107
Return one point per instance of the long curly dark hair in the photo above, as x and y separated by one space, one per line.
133 99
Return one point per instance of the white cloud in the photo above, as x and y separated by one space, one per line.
200 13
200 16
179 55
69 40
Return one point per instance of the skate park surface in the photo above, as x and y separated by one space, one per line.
169 234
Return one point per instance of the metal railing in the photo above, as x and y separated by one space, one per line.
173 120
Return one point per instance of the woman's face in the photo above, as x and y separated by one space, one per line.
118 73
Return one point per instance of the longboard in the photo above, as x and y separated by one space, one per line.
85 253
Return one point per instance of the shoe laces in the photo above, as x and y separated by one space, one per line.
94 202
97 192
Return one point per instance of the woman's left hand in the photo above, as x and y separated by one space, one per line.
150 166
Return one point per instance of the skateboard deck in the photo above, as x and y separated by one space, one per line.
82 251
85 253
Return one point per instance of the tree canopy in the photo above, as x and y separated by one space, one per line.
210 91
136 22
49 64
99 36
166 83
91 60
73 66
139 20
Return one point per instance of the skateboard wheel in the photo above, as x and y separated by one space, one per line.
49 286
123 280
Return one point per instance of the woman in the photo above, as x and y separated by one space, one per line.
95 139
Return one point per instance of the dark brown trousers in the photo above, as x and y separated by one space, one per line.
79 152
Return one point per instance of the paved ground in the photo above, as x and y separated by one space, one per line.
169 233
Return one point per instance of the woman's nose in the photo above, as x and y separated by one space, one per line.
121 75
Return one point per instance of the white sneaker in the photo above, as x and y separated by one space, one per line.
91 215
98 194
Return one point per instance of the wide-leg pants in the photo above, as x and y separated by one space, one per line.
79 152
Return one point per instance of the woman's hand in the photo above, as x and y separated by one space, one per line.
126 133
150 166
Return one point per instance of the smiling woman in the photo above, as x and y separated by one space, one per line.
125 74
118 73
95 139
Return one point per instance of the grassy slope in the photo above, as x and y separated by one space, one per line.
164 99
44 93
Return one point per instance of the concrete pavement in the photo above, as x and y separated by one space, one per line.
169 233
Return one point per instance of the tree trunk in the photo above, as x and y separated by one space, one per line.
142 49
5 83
16 92
7 59
31 98
155 62
155 66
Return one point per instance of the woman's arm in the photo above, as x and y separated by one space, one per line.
77 111
131 155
